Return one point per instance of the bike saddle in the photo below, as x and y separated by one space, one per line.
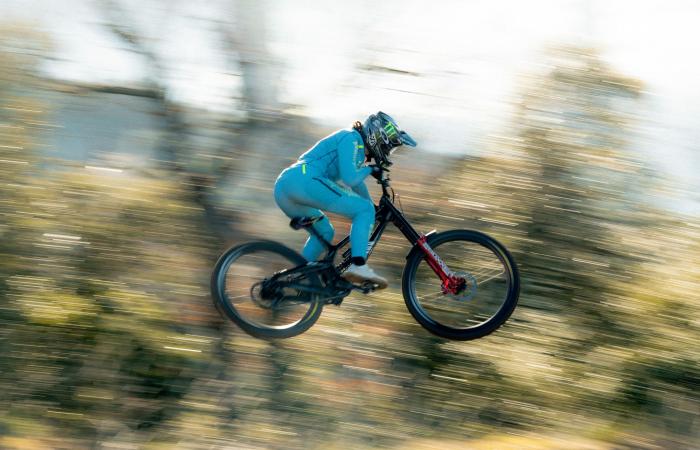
298 223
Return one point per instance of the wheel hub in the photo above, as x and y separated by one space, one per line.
460 286
262 295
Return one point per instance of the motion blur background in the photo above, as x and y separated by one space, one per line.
139 138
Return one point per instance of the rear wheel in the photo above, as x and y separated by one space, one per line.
490 286
244 287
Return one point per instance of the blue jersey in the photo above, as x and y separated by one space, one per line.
339 157
310 186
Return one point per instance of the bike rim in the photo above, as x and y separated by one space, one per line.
240 289
489 282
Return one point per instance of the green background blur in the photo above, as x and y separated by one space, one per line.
116 199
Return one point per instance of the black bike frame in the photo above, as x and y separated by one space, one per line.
386 213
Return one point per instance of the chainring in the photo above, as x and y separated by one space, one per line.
274 297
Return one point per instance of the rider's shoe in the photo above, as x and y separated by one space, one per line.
359 274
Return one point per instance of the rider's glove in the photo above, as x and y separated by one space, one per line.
376 171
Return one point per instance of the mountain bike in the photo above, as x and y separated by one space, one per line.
457 284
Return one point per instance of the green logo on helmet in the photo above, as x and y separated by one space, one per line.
390 130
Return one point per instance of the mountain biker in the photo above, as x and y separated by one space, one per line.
311 185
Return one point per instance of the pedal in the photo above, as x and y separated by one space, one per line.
336 301
367 287
339 296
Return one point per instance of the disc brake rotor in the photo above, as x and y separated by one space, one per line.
256 294
468 291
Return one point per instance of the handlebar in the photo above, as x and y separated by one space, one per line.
383 180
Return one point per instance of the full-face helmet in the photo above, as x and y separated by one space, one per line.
382 135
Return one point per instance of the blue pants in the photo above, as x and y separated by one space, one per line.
301 194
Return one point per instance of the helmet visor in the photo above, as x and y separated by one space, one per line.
406 139
396 137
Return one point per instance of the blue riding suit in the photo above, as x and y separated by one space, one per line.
310 185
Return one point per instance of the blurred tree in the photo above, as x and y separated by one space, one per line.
90 345
247 37
566 194
573 129
568 168
176 128
176 147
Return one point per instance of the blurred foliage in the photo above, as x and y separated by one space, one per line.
108 337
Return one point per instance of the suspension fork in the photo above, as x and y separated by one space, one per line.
451 282
433 260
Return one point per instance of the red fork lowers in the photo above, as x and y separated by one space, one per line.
451 283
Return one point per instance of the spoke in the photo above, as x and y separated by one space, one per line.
489 279
257 277
488 273
484 271
431 296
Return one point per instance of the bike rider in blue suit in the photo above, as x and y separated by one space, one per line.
330 177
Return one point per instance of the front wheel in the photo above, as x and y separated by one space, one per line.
487 298
248 285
